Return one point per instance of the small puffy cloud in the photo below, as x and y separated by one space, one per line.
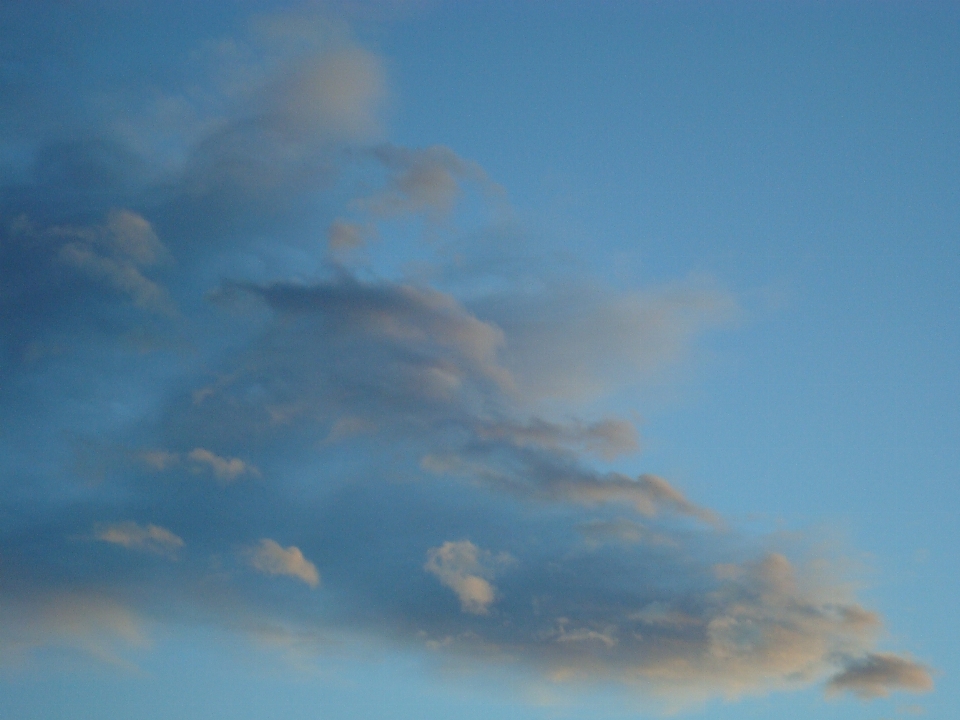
877 674
150 538
465 569
225 469
271 558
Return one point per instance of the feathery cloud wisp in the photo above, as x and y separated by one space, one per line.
151 538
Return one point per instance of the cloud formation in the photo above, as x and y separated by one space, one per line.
187 303
467 570
115 254
225 469
878 674
271 558
138 537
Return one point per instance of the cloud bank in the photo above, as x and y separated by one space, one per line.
223 302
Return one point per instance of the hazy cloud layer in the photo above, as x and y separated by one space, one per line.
199 334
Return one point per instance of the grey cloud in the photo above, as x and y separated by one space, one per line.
334 94
62 282
598 532
124 276
427 180
397 433
285 130
608 438
83 622
575 610
343 236
877 674
555 477
225 469
582 342
418 322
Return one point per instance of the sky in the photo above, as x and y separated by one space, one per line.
458 359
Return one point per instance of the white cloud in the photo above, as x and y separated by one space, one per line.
607 438
117 254
465 569
877 674
150 538
271 558
224 468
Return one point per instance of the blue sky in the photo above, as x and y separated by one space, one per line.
479 359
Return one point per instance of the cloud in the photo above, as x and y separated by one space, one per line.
82 622
226 469
422 180
66 283
877 674
607 438
385 409
116 254
281 122
579 342
335 94
150 538
343 236
555 477
159 460
466 569
270 558
622 530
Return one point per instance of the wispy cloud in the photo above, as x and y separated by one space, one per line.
150 538
93 625
878 674
271 558
226 469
